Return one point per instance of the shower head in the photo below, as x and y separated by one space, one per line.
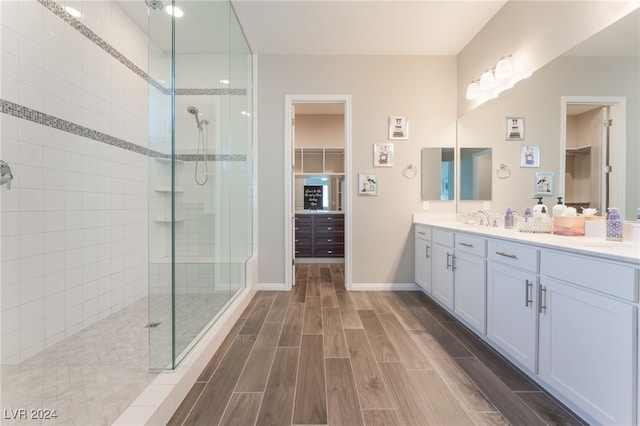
193 110
154 4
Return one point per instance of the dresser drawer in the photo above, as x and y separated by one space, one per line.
302 229
329 229
324 239
304 251
471 244
327 219
303 219
517 255
329 251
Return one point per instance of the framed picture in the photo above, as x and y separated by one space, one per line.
544 184
529 155
398 128
515 128
383 155
367 184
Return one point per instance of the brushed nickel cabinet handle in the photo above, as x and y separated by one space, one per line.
426 250
510 256
528 293
466 244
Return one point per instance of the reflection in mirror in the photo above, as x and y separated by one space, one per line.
318 192
475 173
438 174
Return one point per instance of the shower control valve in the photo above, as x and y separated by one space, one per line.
5 174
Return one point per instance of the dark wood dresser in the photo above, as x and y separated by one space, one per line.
319 235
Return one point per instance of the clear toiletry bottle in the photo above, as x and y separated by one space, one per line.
508 219
614 225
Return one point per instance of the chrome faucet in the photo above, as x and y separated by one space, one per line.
484 217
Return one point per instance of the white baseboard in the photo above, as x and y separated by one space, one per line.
384 287
272 287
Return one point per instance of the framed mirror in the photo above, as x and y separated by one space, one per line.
475 173
438 174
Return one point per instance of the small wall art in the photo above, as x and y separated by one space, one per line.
544 183
367 184
398 128
529 155
515 128
383 155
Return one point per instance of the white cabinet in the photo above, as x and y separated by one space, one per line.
588 339
442 268
470 281
423 249
511 301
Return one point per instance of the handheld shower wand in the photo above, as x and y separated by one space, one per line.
193 110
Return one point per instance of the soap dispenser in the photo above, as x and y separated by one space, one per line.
614 225
539 210
508 219
559 208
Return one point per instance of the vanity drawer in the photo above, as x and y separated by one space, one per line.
444 238
615 279
302 229
517 255
423 232
304 251
471 244
329 239
303 219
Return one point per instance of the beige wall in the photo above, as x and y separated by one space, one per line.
420 88
319 131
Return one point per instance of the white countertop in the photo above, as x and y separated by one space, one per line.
627 251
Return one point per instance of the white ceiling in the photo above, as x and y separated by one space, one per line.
359 27
338 27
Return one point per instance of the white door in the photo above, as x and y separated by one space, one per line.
292 206
599 160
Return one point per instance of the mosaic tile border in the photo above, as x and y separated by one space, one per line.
19 111
59 11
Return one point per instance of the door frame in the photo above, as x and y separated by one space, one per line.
618 111
290 100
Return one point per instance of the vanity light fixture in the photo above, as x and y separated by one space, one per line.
487 80
499 76
503 68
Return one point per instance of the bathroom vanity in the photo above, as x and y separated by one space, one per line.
562 309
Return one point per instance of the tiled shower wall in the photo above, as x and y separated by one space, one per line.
74 131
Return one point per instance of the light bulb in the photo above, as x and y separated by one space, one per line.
487 80
473 90
503 68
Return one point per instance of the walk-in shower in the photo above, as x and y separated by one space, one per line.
200 222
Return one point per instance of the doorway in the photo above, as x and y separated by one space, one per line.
592 152
318 183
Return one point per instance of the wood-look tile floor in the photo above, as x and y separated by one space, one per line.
321 355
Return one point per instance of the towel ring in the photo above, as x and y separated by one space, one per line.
503 172
410 171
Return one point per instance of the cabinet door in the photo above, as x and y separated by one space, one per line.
442 275
470 290
423 264
511 312
587 346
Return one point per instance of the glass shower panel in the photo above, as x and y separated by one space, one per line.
208 240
